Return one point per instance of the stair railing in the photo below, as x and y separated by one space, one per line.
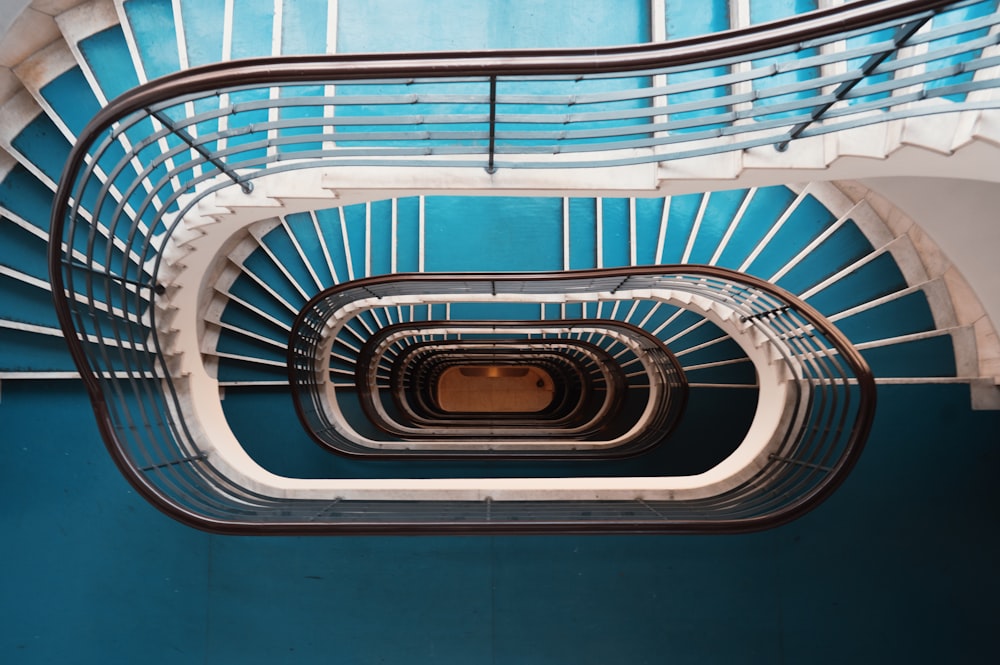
820 434
143 163
655 407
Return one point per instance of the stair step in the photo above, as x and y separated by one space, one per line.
93 33
150 30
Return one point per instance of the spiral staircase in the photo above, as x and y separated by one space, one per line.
251 259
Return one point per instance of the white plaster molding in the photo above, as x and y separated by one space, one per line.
29 32
45 65
7 163
86 19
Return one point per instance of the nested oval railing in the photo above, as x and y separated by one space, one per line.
806 448
415 364
585 380
620 423
835 69
579 375
150 156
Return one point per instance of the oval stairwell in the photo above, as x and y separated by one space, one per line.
525 299
201 218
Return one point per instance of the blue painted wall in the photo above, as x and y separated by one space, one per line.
896 567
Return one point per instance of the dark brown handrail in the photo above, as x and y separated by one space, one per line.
431 65
381 285
665 421
513 62
414 373
296 69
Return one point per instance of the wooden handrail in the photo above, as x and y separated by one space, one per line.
669 415
355 67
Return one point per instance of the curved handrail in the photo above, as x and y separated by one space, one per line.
126 115
738 509
769 40
765 305
107 230
152 100
414 372
831 21
665 408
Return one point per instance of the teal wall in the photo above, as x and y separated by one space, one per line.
898 566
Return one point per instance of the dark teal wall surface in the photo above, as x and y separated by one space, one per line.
898 566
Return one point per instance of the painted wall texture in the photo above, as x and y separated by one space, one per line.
897 566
